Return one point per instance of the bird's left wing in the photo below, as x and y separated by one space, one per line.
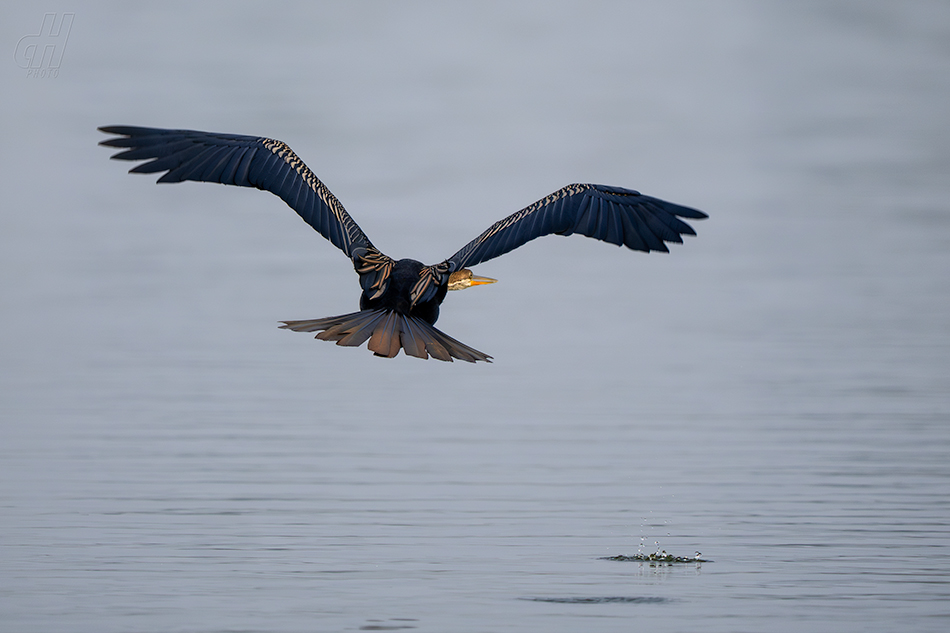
610 214
245 161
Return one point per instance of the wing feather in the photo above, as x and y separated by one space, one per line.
244 161
614 225
610 214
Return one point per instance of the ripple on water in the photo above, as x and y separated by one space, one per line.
598 599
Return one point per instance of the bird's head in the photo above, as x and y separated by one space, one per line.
464 278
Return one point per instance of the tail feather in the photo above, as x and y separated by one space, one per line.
385 340
353 337
457 348
388 332
351 334
413 342
350 330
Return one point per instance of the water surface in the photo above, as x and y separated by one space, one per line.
774 394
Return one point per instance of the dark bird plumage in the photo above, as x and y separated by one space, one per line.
400 301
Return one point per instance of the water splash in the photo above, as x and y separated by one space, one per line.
659 556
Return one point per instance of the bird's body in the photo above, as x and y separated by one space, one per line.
400 301
404 276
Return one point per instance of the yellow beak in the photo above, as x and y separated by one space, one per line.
479 281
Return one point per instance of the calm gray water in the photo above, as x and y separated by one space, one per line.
775 393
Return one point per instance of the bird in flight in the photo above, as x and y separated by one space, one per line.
400 301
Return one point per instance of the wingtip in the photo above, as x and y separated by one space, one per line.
700 215
106 129
691 213
114 129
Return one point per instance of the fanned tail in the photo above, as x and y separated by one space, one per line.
387 332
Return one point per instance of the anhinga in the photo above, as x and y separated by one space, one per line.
400 300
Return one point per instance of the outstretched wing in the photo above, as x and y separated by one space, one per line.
253 161
245 161
610 214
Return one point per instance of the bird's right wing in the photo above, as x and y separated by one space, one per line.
610 214
252 161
